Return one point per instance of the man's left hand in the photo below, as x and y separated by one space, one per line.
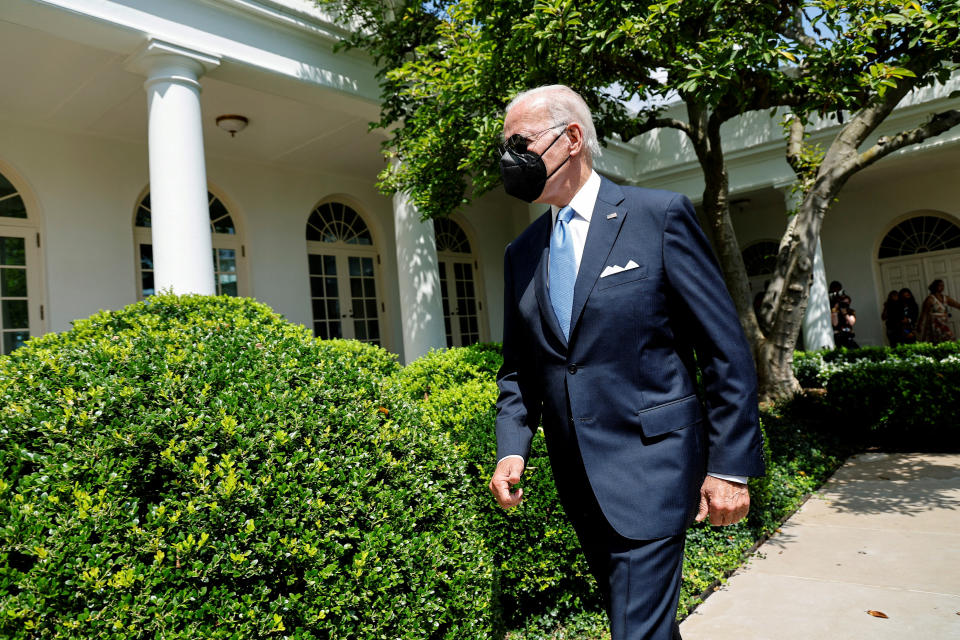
726 502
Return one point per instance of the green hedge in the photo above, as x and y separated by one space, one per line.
902 397
198 467
539 566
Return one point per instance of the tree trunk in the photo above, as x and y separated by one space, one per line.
786 299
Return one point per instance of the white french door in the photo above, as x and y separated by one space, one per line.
916 272
462 317
344 294
21 311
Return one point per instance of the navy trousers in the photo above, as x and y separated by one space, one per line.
639 579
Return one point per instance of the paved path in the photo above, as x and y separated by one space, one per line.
883 534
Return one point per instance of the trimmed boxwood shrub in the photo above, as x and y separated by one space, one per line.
540 568
197 467
901 397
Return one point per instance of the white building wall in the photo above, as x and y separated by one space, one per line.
87 189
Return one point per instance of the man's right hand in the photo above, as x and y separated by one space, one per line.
506 475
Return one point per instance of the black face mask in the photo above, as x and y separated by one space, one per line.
523 172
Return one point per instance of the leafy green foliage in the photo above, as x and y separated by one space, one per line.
539 565
198 467
901 397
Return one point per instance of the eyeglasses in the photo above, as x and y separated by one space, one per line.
518 143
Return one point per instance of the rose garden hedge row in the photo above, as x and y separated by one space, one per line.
199 468
903 397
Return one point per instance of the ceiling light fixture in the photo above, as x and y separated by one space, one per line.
232 123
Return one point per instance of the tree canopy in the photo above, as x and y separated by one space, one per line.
448 68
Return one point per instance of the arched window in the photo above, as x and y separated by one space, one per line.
458 284
20 308
343 261
227 248
921 234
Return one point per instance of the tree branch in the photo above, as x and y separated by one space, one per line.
870 117
939 123
795 144
651 123
791 31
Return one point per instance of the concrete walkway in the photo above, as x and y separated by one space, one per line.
883 535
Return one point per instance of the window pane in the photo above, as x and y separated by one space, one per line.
229 288
14 339
371 308
368 267
146 256
13 208
330 265
15 315
316 287
320 330
358 308
360 328
373 329
13 282
333 308
319 310
6 188
13 251
335 330
228 260
217 210
147 283
316 264
143 215
369 288
331 287
354 263
224 225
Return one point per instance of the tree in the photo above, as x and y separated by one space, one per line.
446 81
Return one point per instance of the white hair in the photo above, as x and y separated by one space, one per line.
564 105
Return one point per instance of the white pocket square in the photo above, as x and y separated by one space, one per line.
613 268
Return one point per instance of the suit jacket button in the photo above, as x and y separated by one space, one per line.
572 369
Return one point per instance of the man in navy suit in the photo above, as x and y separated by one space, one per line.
612 300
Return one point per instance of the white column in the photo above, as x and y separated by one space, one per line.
817 328
418 273
182 250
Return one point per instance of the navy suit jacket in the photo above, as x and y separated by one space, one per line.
622 393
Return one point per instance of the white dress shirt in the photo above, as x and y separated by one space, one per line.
583 203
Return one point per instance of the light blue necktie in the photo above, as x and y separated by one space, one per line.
563 269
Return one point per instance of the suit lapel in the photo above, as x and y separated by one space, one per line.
600 238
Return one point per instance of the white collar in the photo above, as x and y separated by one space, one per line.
584 201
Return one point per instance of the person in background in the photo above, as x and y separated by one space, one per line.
935 315
843 318
909 312
892 315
